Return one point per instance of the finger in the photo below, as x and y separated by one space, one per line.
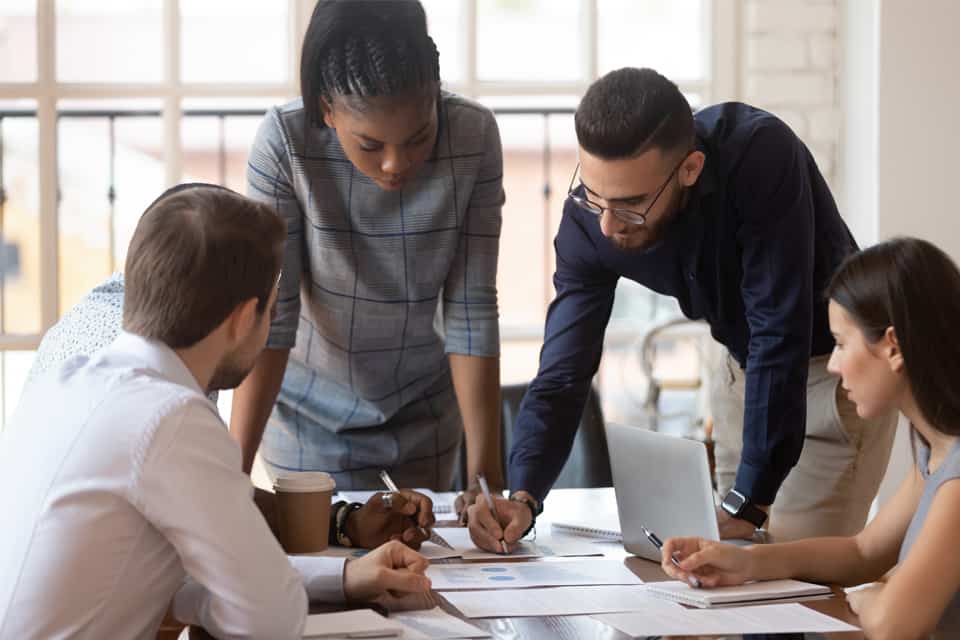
414 536
422 505
480 514
517 526
682 547
712 556
403 557
481 536
402 504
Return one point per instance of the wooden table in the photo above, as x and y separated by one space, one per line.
573 503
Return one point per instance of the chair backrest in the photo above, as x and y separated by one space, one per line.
589 461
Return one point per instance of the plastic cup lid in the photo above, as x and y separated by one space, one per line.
304 482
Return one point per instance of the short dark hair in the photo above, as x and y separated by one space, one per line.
366 48
914 287
629 111
199 251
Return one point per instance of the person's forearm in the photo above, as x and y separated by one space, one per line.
833 560
253 401
476 381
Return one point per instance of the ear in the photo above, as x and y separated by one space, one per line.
242 320
690 169
326 108
892 351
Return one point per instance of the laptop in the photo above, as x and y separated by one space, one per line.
663 483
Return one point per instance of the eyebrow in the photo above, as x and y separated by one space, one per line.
414 136
626 199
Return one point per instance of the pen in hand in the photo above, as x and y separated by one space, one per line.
655 541
432 536
482 481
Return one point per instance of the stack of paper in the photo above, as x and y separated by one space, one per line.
774 618
751 593
436 624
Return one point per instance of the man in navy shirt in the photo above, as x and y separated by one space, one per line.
727 212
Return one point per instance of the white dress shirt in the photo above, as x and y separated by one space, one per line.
130 491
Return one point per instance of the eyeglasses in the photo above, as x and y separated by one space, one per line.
624 215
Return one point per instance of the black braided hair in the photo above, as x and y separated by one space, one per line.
366 48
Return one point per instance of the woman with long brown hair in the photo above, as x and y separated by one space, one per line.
894 311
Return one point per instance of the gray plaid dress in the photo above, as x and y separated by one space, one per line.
377 288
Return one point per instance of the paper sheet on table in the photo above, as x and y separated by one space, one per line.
520 575
769 618
442 500
427 550
354 623
459 539
555 601
437 624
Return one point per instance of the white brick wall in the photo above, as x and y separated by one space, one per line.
790 66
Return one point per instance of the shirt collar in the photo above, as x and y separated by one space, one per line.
159 357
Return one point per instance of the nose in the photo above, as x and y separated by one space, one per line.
611 224
833 366
395 161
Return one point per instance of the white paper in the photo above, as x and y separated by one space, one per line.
459 539
437 624
555 601
442 500
427 550
771 618
519 575
346 623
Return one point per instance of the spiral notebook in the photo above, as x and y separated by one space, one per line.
600 530
768 591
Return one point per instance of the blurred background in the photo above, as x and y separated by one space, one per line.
105 103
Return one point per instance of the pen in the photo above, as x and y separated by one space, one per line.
655 541
482 480
431 535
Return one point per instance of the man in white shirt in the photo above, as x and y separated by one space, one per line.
132 491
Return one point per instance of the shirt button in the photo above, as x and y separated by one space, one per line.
692 276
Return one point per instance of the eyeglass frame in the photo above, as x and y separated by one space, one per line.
624 215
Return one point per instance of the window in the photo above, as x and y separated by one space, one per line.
104 104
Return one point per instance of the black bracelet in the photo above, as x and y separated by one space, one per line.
332 531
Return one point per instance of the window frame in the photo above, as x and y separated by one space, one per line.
720 26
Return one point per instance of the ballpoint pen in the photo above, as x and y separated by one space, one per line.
482 480
431 535
655 541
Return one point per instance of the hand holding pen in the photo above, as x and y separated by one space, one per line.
482 481
428 533
655 541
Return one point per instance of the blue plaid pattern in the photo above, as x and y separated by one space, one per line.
377 288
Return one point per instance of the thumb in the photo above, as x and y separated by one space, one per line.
710 555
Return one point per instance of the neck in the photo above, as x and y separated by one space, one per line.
940 443
201 359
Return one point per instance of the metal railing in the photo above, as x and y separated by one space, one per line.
111 116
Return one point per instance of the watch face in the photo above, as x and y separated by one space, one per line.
733 502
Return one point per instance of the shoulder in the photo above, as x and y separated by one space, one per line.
469 122
734 131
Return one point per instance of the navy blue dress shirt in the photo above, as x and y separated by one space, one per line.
751 253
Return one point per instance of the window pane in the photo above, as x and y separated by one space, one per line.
86 215
109 41
548 32
666 35
18 41
215 148
239 41
19 219
14 367
445 22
